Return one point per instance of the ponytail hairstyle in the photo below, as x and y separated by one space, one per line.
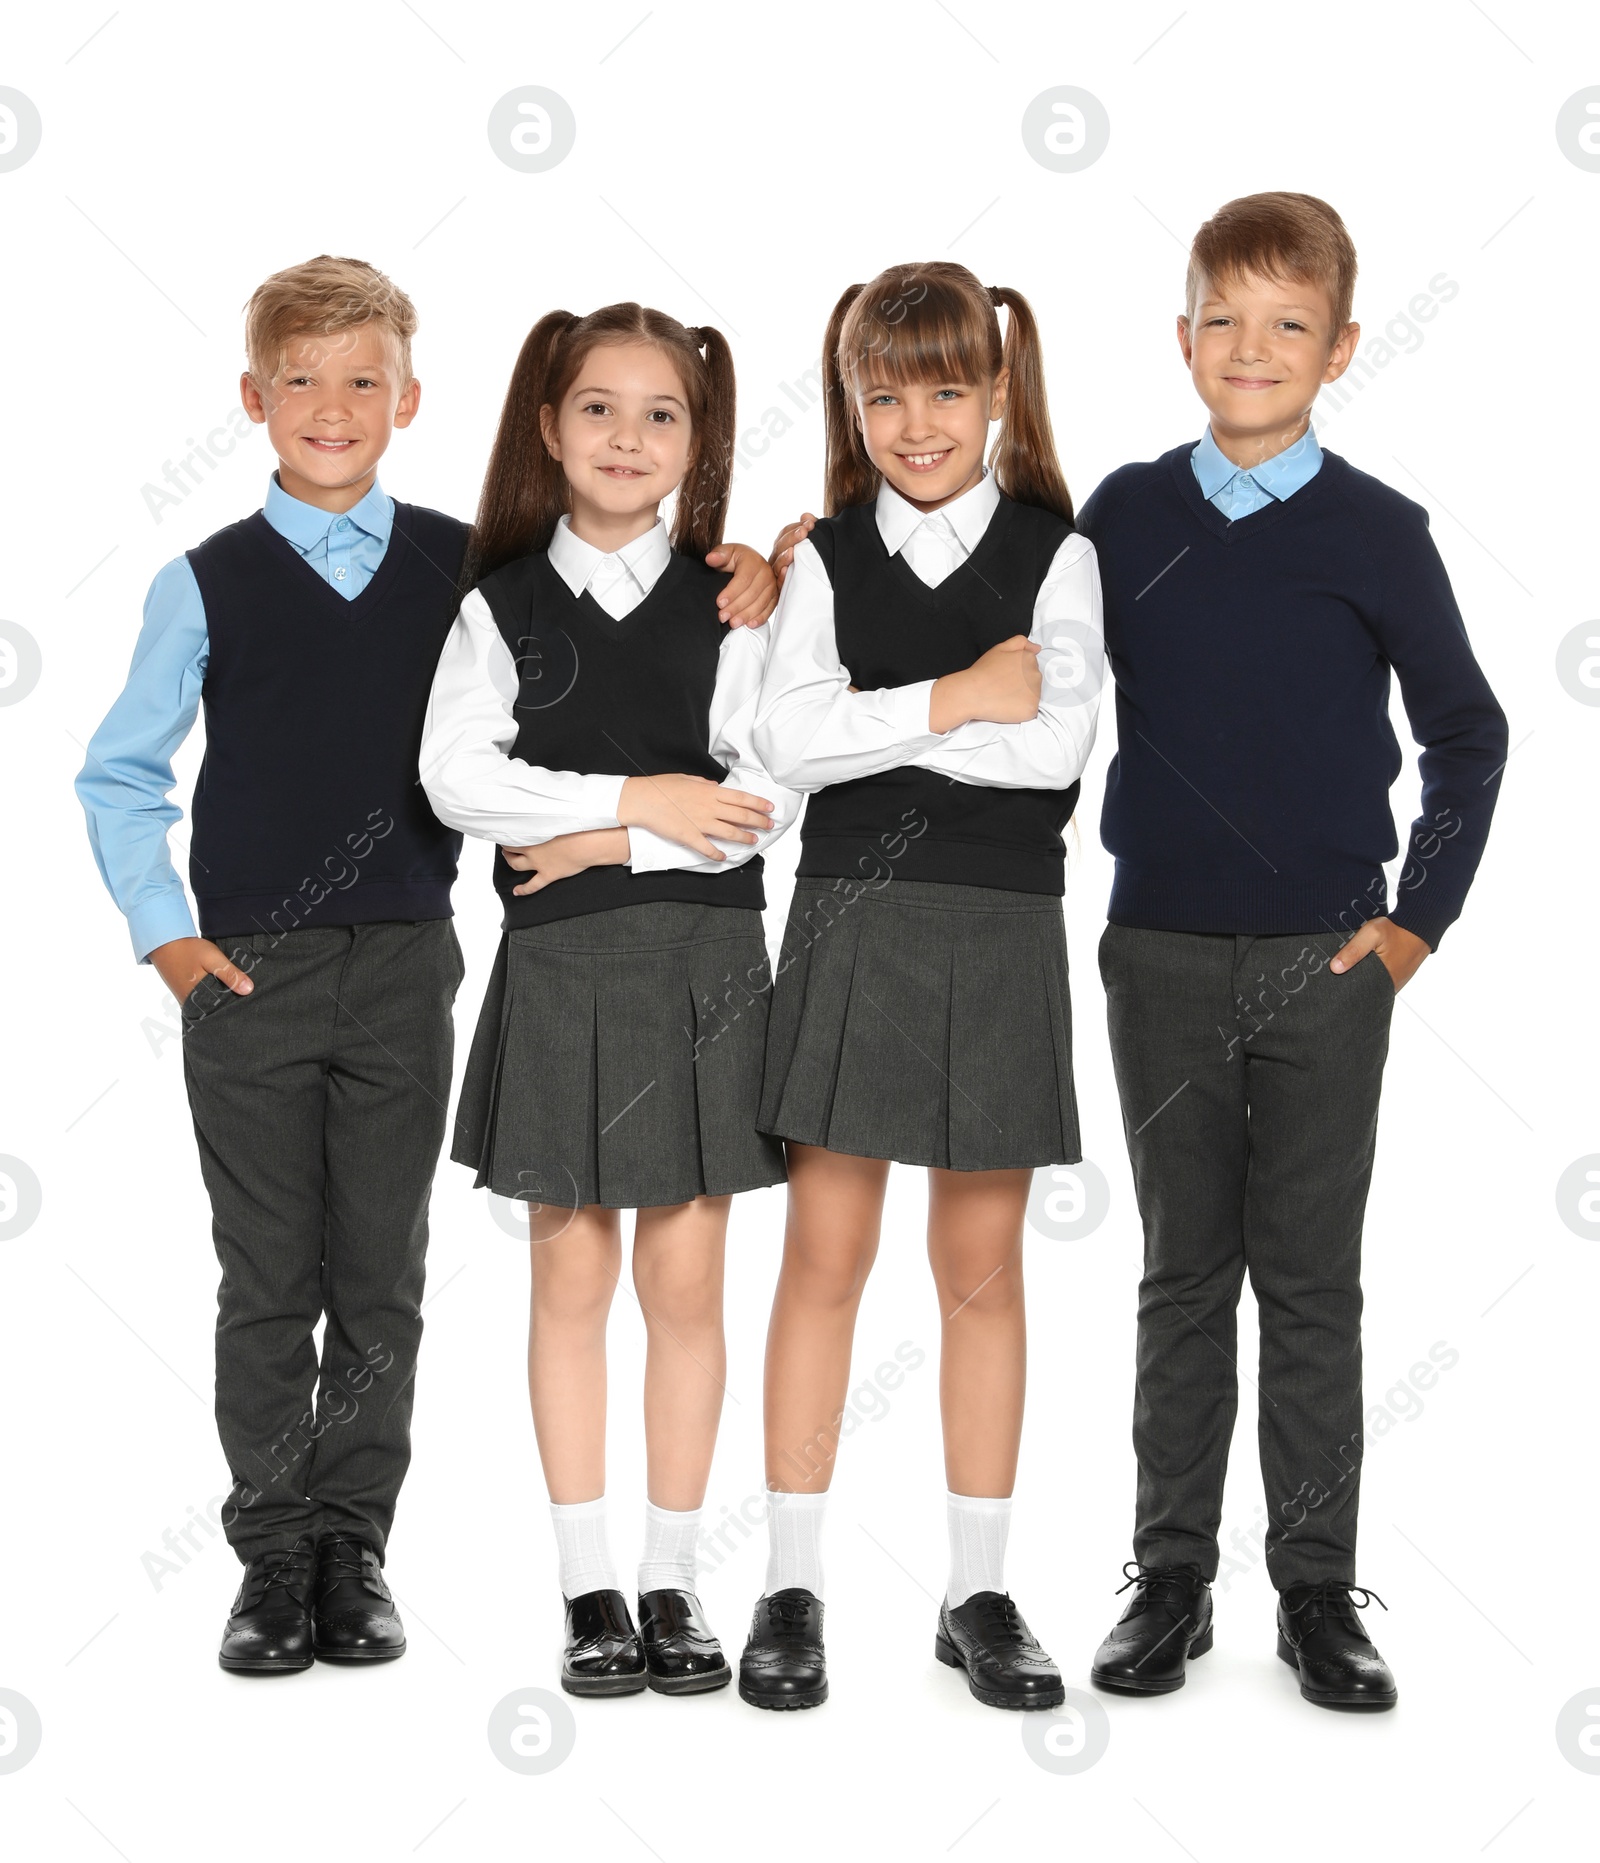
525 491
935 322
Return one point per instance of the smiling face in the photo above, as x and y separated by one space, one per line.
1258 350
623 437
928 439
330 412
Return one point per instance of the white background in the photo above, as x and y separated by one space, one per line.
741 165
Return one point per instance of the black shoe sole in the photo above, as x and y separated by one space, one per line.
1348 1704
947 1653
810 1698
360 1656
605 1684
245 1665
688 1684
1164 1685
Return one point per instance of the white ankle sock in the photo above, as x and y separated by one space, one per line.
794 1539
978 1529
668 1560
582 1547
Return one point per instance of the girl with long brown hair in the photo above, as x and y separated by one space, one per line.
592 715
931 684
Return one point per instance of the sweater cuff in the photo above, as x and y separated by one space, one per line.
1429 926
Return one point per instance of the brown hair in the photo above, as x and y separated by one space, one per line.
1276 236
935 322
322 297
525 490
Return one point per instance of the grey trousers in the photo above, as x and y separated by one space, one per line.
319 1107
1249 1076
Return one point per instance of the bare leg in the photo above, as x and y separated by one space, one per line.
975 1223
575 1259
677 1274
835 1212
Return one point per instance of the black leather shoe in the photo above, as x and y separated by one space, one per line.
681 1656
1324 1641
1005 1666
1167 1621
354 1611
784 1664
603 1655
269 1632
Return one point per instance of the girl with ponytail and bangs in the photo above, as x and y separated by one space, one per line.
931 685
593 717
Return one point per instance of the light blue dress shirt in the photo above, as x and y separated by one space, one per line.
1237 491
125 783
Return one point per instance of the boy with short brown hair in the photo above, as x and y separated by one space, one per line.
1258 594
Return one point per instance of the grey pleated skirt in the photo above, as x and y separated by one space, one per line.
926 1023
618 1060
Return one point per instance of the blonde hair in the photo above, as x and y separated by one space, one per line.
323 297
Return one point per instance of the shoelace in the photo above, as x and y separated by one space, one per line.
1001 1620
1334 1598
1160 1581
338 1563
293 1569
788 1617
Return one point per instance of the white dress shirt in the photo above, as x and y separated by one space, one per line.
473 782
811 730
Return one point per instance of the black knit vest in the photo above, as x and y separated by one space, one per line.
893 630
614 698
308 811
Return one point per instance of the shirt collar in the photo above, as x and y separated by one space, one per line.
306 526
1280 477
968 515
576 561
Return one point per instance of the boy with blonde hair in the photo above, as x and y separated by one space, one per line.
317 995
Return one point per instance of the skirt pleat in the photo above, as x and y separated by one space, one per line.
607 1068
804 1041
925 1023
1058 999
472 1134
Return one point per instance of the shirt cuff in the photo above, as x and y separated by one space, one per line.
604 793
591 806
651 853
908 707
158 921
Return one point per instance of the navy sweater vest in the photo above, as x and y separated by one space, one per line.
893 630
308 811
614 698
1250 789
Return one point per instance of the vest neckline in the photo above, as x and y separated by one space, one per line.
349 607
933 594
594 616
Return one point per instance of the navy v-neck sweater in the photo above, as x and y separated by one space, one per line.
1250 789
